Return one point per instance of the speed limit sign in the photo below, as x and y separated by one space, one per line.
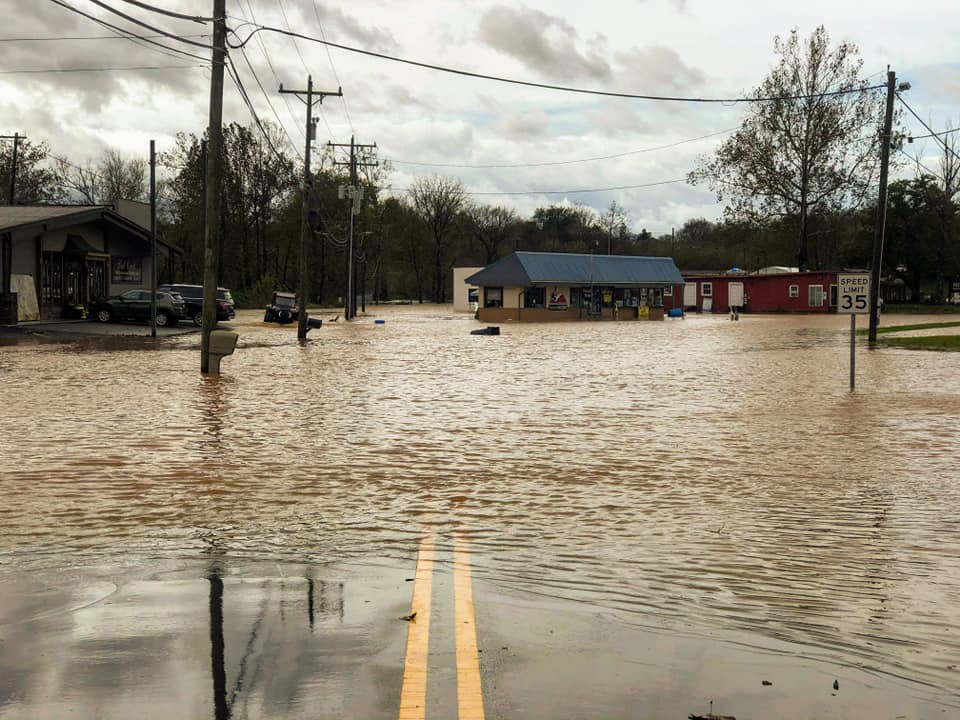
853 296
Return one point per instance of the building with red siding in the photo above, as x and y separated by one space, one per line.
813 291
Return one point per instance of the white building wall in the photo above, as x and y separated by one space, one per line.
461 302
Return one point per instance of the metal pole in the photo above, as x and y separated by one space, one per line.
353 210
305 218
211 250
13 170
881 208
153 239
853 350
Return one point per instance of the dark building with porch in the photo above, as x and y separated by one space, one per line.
59 259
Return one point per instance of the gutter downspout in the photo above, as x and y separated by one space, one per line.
519 301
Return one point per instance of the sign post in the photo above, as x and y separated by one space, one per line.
853 298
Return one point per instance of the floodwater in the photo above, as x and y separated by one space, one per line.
703 477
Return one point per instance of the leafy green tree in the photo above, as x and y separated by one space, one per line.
37 182
808 143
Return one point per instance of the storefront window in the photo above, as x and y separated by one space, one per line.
493 297
535 297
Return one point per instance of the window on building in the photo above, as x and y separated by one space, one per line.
535 297
794 291
668 291
493 297
706 289
815 295
833 296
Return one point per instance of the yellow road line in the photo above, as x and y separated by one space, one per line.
469 694
413 693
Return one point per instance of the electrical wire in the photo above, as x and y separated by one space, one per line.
566 192
564 162
920 164
39 71
343 99
911 138
266 97
303 62
235 76
933 134
129 34
89 37
546 86
170 13
276 77
135 21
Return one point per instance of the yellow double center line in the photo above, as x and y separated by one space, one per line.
413 693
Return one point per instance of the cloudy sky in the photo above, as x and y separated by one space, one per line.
691 48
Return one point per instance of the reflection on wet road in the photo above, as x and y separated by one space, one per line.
695 477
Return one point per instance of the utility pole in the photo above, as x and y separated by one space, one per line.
214 183
305 230
16 137
355 193
885 140
153 239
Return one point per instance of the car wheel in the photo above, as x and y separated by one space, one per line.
162 319
284 316
268 316
198 318
103 315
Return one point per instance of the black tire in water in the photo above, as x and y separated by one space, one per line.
103 315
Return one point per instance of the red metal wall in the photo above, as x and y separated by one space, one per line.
769 293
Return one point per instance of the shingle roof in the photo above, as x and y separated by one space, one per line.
14 216
523 269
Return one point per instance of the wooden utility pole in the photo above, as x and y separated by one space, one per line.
303 291
355 193
214 183
153 238
16 137
885 140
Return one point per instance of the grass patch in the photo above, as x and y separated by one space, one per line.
930 342
920 309
916 326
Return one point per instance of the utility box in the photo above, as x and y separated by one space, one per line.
222 343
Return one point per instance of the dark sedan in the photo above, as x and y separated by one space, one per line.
135 305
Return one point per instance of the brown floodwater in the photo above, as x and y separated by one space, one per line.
702 475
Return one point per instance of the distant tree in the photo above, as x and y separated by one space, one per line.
490 226
37 182
113 177
437 200
803 151
613 222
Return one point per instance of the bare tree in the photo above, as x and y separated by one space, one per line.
809 142
114 177
437 200
490 226
614 223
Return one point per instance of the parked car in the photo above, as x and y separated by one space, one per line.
135 305
193 297
282 308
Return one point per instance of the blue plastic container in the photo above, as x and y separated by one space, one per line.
379 322
675 312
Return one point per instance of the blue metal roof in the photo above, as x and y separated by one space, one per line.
524 269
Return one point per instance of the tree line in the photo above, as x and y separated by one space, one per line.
797 182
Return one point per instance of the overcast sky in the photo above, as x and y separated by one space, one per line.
699 48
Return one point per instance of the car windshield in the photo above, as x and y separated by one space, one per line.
224 295
285 300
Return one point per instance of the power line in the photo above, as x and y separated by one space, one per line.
89 37
933 134
343 99
266 55
267 98
920 164
235 76
911 138
170 13
296 47
546 86
38 71
128 34
135 21
564 162
569 192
